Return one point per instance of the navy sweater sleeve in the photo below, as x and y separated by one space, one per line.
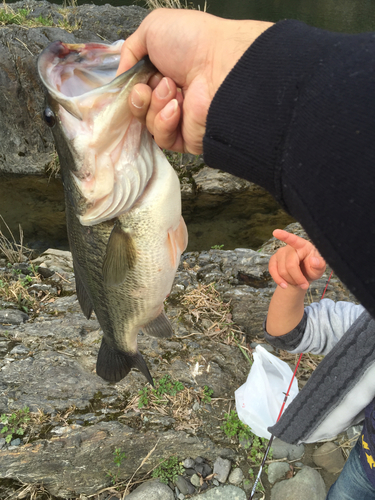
296 115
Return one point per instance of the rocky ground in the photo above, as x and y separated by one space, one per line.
67 433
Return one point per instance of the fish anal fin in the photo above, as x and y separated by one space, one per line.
120 257
177 241
82 295
113 365
159 327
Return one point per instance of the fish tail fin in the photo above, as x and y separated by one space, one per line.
113 365
159 327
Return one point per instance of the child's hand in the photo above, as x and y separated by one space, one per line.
298 263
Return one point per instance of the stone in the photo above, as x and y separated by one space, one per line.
226 492
12 317
188 463
19 349
286 450
307 483
151 489
221 469
329 457
236 476
15 442
277 470
2 443
184 486
195 480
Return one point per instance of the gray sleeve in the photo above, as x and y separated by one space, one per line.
322 326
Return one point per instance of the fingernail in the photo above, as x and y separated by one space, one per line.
305 286
170 109
283 285
315 261
136 99
163 89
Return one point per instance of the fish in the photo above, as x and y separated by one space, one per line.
122 199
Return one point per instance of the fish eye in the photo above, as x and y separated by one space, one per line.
49 117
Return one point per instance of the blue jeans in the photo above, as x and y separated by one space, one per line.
352 483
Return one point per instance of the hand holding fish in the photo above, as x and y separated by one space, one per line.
194 51
298 263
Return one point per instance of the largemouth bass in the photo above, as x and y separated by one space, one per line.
123 201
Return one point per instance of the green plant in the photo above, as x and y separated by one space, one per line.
207 394
168 470
164 387
234 428
14 424
217 247
118 457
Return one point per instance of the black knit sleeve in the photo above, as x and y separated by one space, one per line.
290 340
296 115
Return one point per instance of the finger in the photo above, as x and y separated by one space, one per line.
294 274
155 80
166 127
164 92
134 48
291 239
139 101
274 272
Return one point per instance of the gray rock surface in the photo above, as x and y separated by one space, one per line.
277 470
226 492
12 317
236 476
222 468
307 483
286 450
329 456
152 490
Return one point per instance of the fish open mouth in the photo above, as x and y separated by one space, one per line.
114 151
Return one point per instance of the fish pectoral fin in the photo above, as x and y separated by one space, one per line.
120 257
177 241
82 295
113 365
159 327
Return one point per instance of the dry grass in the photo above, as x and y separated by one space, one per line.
13 251
204 304
172 4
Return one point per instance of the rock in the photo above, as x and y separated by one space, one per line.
188 463
285 450
277 470
15 442
184 486
307 483
151 490
221 469
12 317
55 260
329 456
195 480
226 492
2 443
236 476
19 349
89 450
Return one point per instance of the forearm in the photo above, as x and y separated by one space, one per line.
285 310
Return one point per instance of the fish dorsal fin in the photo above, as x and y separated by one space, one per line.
159 327
82 295
113 365
120 257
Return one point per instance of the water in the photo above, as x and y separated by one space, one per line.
348 16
